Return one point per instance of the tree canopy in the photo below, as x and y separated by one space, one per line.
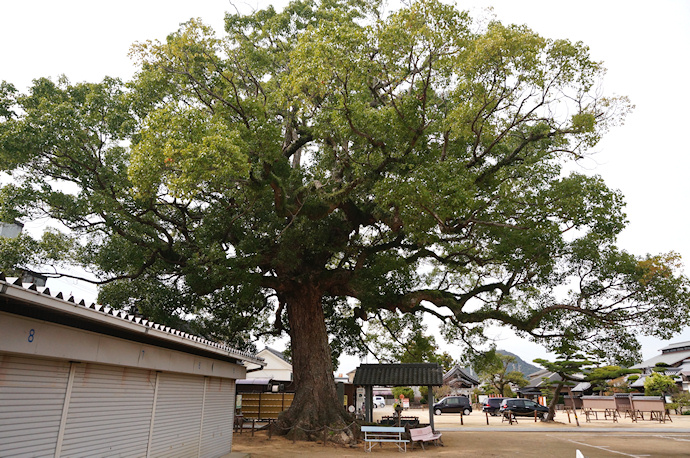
603 378
314 166
492 369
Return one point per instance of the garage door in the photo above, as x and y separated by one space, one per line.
177 420
219 408
32 394
109 412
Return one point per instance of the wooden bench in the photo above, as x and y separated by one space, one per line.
380 434
425 434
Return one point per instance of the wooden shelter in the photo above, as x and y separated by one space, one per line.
401 374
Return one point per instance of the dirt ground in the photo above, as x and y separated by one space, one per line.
488 444
474 438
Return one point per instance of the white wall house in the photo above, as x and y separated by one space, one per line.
677 357
85 381
276 367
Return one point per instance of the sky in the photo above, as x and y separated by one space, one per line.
644 45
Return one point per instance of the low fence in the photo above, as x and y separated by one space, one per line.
594 405
653 406
624 405
636 407
265 406
572 403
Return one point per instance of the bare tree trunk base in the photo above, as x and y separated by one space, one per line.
302 425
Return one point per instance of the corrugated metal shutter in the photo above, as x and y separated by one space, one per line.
32 394
219 411
177 420
109 412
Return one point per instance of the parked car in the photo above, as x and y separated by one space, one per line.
492 405
379 401
455 404
523 407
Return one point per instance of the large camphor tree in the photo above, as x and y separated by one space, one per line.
318 166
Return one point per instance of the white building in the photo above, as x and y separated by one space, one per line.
85 381
276 368
676 358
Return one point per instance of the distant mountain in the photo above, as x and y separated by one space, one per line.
521 365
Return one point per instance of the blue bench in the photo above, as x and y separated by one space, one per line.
380 434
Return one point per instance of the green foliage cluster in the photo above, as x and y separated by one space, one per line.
603 378
424 391
660 367
657 384
406 391
681 401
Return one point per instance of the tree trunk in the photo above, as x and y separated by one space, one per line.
554 401
316 405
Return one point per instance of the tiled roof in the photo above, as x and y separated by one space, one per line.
277 353
461 373
540 373
676 345
582 386
670 358
545 377
639 383
42 298
403 374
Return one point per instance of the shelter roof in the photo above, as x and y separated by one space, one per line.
544 378
403 374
